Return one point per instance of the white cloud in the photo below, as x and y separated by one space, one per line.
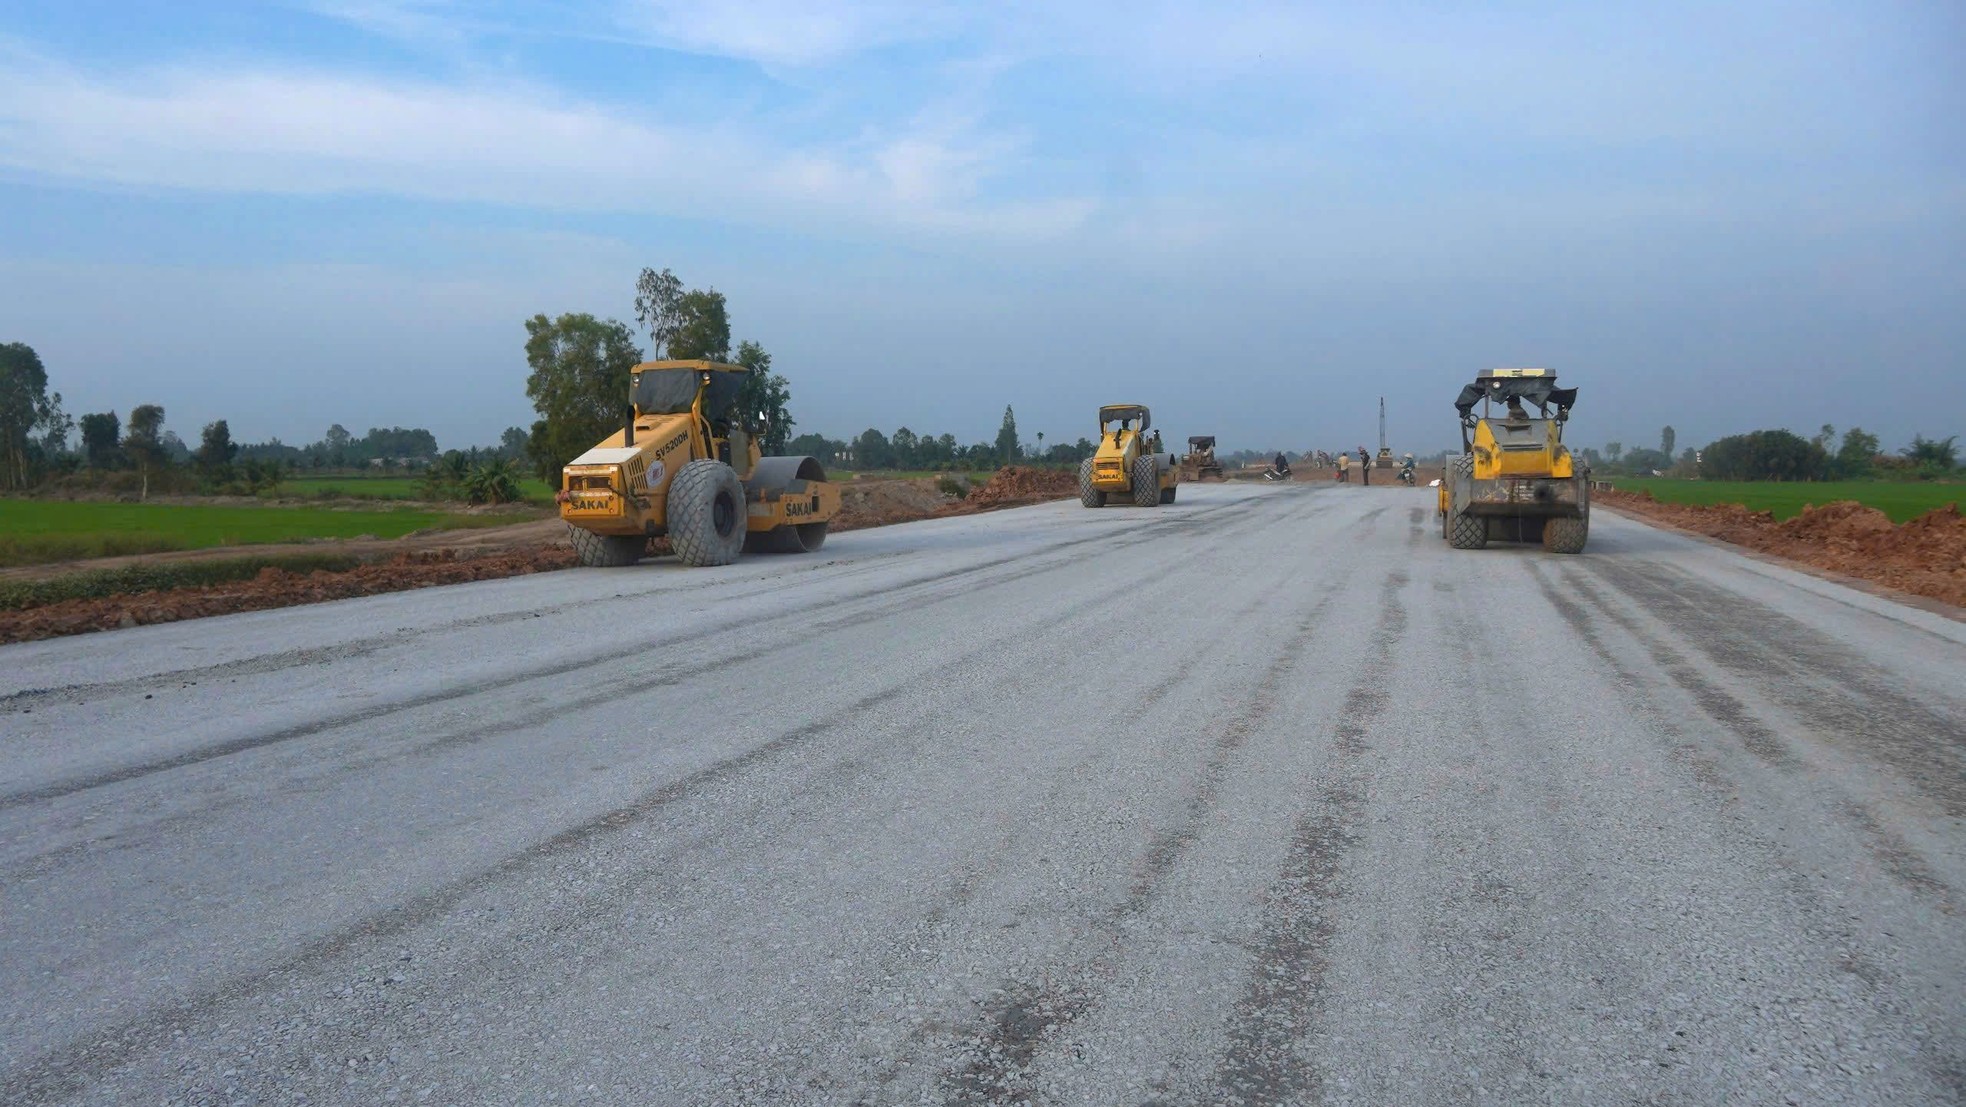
312 133
787 33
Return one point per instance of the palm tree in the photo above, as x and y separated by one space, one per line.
493 482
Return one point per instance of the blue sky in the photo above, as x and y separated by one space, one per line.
1256 218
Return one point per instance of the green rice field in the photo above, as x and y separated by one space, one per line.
388 488
1901 500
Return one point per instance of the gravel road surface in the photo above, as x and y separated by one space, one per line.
1264 797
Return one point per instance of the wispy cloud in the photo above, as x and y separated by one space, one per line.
788 33
310 132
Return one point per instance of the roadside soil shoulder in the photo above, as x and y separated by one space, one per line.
446 557
1924 557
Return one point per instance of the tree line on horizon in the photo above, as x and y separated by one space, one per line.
1783 455
140 455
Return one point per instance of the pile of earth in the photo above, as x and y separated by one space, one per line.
276 588
880 502
1016 486
1925 556
876 503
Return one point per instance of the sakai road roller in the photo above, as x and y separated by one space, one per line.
1130 464
1515 479
686 464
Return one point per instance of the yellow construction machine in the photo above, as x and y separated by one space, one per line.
1130 464
686 464
1200 463
1515 479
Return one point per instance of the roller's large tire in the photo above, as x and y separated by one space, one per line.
706 513
1088 495
606 551
1467 532
1565 535
790 538
1146 481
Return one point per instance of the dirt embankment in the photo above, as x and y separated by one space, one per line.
424 560
277 588
1925 556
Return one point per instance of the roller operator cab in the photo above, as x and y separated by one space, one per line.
1515 479
1130 465
686 465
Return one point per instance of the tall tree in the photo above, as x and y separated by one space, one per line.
702 326
1007 449
1666 439
145 442
658 299
512 443
578 385
907 448
336 443
25 408
215 453
765 398
1855 457
101 432
872 451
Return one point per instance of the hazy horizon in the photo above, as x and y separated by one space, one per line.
1255 219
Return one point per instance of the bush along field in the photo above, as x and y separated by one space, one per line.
34 532
1900 500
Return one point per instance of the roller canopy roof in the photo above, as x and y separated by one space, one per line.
669 387
1201 441
1112 412
1539 389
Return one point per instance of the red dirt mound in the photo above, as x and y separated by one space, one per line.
1925 556
1016 485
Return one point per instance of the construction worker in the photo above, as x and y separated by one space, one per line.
1344 468
1406 469
1364 465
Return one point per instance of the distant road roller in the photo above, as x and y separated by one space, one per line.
686 464
1130 465
1515 479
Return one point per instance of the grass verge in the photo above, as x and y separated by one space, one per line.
1900 500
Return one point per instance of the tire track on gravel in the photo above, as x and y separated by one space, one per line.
64 1072
618 692
895 599
1836 692
1027 1015
1893 853
1709 771
363 647
1261 1064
